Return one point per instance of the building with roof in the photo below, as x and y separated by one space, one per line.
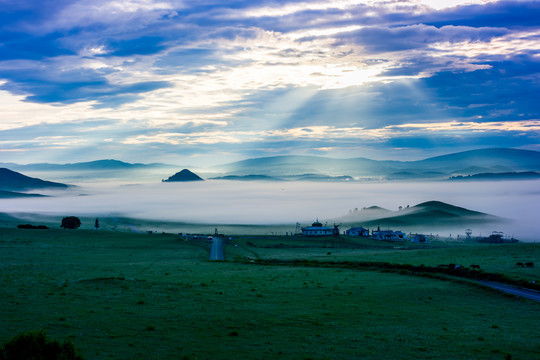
388 235
317 229
357 231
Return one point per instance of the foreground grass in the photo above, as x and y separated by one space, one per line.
129 296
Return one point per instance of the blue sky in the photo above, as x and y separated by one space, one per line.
207 82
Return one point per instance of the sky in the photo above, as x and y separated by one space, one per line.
208 82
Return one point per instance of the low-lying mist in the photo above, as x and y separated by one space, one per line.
228 202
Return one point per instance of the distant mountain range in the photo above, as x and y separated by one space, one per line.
431 214
98 165
13 181
516 164
440 167
301 177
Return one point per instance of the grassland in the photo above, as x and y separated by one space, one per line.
120 295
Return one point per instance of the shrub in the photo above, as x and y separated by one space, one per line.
35 345
70 222
33 227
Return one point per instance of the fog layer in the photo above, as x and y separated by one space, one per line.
227 202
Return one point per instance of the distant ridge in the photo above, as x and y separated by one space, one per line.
248 178
425 215
13 195
13 181
492 160
525 175
106 164
184 175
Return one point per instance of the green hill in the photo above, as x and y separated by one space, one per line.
425 215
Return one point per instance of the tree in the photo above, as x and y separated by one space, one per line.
36 345
96 224
70 222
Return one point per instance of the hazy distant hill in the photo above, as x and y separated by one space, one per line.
94 170
13 195
14 181
184 175
440 167
364 215
97 165
425 215
525 175
247 178
294 165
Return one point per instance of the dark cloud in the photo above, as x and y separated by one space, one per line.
506 91
16 45
384 39
508 14
463 140
71 91
144 45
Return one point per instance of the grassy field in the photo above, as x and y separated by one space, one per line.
120 295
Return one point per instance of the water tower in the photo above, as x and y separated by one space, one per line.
468 232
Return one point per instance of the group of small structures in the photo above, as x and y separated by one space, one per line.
318 229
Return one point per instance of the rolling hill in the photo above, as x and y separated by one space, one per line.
97 165
441 167
14 195
525 175
431 214
14 181
247 178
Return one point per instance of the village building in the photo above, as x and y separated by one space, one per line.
317 229
419 238
357 231
388 235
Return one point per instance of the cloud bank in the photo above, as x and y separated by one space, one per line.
217 202
180 80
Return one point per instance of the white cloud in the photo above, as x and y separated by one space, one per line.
131 13
444 4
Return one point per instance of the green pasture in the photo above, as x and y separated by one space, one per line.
120 295
493 258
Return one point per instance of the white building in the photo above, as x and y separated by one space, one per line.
317 229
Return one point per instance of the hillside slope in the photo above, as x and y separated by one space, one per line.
463 163
184 175
14 181
425 215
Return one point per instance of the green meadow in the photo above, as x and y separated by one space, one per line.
121 295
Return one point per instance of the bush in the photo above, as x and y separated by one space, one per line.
70 222
35 345
33 227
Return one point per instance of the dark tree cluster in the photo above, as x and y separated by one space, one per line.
35 345
70 222
34 227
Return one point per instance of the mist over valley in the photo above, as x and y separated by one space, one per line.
292 190
272 203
